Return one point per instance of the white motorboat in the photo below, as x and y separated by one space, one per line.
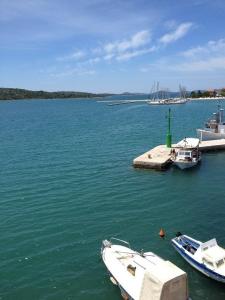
214 128
186 154
143 276
208 257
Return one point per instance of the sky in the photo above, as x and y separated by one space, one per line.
112 46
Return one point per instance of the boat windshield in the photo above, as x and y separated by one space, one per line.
209 263
185 153
219 263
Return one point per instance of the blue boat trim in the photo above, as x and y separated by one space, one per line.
189 241
199 266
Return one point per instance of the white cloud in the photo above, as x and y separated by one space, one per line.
139 39
128 55
67 72
204 59
77 55
211 47
108 56
91 61
181 31
208 57
210 64
87 72
94 60
126 49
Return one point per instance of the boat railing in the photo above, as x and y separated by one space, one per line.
119 240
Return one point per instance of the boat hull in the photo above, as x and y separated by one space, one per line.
206 135
123 292
166 102
197 265
185 164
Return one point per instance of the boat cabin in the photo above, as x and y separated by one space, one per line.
188 155
216 124
212 254
187 149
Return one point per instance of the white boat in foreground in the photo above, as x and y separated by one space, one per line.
214 128
143 276
208 257
186 153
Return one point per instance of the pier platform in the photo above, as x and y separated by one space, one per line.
212 145
159 158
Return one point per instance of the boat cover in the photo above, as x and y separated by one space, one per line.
165 282
188 143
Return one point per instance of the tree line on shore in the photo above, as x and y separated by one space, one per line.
207 94
16 94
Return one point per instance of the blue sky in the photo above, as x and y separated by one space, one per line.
112 46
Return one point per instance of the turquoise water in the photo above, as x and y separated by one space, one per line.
67 183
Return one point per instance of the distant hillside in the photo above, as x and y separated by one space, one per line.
14 94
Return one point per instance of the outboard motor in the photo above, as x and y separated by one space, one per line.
178 234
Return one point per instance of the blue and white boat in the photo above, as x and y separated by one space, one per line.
144 275
207 257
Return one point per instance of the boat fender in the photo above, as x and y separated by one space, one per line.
113 280
124 295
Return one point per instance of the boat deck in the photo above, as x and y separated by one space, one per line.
159 158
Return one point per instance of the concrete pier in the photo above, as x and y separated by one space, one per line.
159 158
212 145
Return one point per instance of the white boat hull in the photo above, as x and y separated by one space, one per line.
206 135
185 164
167 102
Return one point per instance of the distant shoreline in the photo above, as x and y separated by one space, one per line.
7 94
22 94
207 98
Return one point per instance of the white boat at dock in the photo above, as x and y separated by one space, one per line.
214 128
161 97
186 154
167 101
143 276
208 257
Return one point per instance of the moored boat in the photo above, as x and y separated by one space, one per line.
186 153
168 101
214 127
208 257
143 276
161 97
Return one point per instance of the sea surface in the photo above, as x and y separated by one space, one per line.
67 183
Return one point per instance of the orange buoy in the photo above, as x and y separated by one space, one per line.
162 233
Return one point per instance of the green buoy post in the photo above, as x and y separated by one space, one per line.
169 135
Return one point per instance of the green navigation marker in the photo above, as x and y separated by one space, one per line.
168 135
